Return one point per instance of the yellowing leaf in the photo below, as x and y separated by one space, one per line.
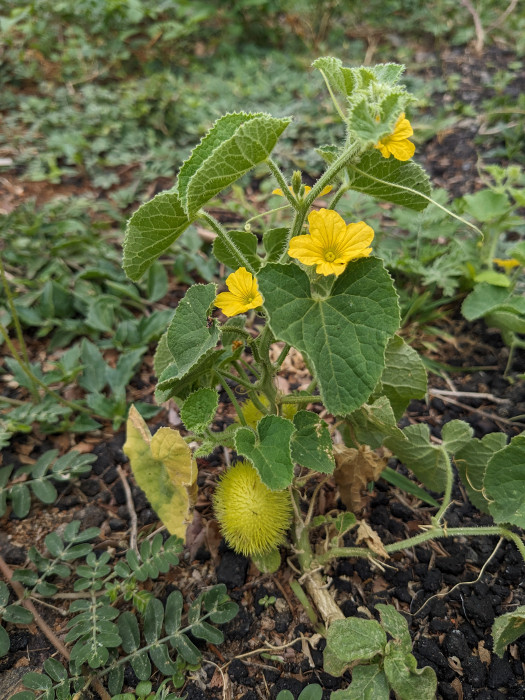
354 470
165 470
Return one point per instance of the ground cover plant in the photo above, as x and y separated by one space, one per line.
123 637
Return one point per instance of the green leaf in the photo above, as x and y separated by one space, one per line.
274 242
186 649
332 69
368 683
18 614
395 625
311 443
116 680
235 144
343 334
405 484
456 434
268 563
237 249
471 462
269 450
364 125
427 461
189 336
4 642
406 680
163 357
373 422
483 299
518 252
174 605
504 483
203 630
21 499
404 377
199 409
55 670
44 490
353 639
223 129
128 628
311 692
507 628
497 279
403 183
157 283
140 663
285 695
37 681
153 619
160 656
486 205
175 383
93 376
151 230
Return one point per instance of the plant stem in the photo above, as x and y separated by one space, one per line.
265 213
227 240
14 313
335 199
276 172
232 398
447 497
282 356
432 533
288 398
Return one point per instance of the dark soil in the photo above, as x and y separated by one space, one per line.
449 606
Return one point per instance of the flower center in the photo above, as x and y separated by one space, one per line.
329 256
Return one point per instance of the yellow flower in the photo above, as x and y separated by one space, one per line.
253 519
307 189
331 243
243 293
506 264
397 143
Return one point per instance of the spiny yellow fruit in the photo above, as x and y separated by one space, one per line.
252 517
252 415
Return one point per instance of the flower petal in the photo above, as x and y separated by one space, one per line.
402 130
241 283
229 304
326 227
402 150
306 250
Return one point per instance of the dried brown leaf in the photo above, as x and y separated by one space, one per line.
354 470
372 540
